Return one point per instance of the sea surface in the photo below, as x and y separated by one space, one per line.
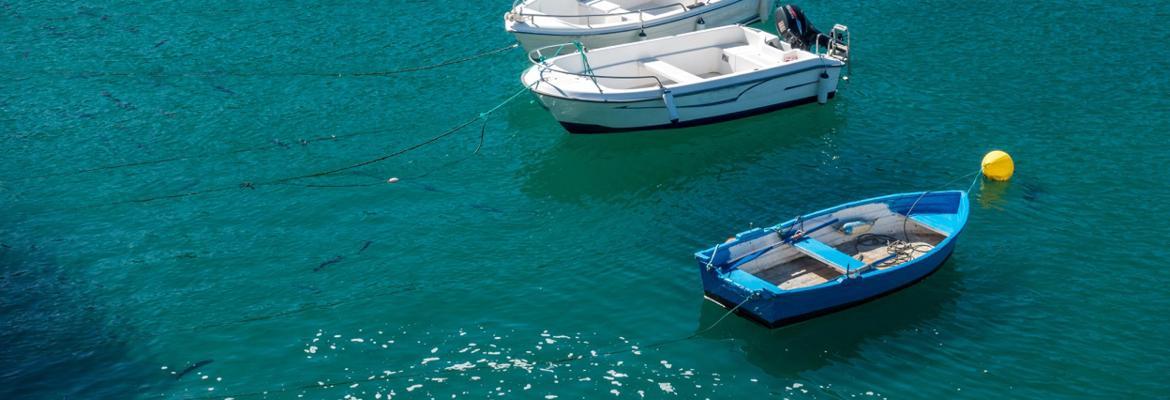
152 246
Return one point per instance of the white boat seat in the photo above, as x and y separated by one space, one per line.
665 70
607 7
753 56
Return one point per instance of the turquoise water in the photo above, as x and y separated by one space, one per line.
479 274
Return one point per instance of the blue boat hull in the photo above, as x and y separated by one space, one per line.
760 313
766 304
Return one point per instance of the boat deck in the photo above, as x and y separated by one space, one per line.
921 242
795 270
873 253
802 272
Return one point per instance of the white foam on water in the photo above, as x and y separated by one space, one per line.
460 367
567 359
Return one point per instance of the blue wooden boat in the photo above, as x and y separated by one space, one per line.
834 258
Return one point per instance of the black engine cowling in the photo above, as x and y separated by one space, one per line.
795 28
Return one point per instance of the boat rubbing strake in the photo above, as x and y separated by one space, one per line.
602 23
835 258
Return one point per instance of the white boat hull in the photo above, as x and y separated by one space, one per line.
533 36
677 81
752 95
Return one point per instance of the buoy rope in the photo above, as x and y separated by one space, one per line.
270 74
905 232
973 181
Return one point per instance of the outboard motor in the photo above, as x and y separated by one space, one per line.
795 29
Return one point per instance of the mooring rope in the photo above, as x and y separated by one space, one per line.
276 143
482 116
273 145
442 64
417 68
287 180
688 337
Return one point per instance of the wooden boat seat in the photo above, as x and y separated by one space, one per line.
828 255
673 73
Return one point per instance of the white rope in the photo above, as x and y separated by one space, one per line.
712 259
750 296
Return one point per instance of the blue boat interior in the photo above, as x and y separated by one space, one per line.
853 239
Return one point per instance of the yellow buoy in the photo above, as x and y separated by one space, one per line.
998 166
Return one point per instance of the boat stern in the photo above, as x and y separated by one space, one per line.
735 290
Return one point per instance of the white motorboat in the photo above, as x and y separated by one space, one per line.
602 23
685 80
